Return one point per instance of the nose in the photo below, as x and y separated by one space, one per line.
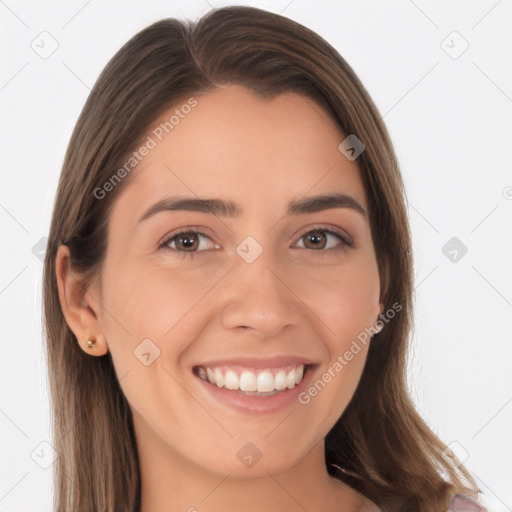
258 297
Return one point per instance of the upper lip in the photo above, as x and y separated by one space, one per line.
252 362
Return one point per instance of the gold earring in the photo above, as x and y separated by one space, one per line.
91 343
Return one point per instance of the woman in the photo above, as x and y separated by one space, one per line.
266 368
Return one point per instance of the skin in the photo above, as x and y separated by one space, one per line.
291 300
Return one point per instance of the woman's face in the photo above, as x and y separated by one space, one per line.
254 290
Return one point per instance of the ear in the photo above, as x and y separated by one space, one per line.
79 305
384 281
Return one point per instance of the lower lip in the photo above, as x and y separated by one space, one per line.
254 403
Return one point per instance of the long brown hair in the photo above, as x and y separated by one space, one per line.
380 446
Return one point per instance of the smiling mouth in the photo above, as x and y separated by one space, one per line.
253 381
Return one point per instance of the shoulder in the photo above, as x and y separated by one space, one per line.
458 503
369 506
463 503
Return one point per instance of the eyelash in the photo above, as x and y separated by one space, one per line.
345 241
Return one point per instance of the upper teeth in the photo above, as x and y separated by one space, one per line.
249 379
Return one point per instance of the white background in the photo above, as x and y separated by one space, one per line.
450 121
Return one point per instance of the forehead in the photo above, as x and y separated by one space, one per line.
235 145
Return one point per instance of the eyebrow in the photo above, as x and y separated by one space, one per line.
222 208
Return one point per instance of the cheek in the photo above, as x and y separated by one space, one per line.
152 300
344 297
162 305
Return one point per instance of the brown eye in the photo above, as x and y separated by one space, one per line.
324 239
188 241
315 240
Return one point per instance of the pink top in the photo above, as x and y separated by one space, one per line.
462 503
458 503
